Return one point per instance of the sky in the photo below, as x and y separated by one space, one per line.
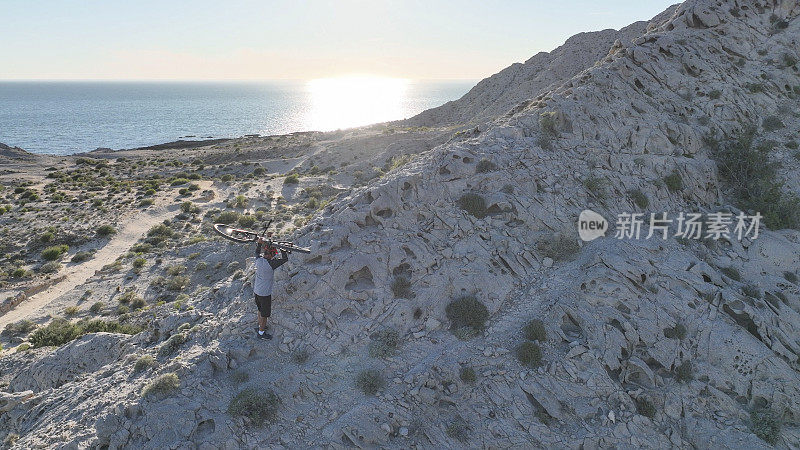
292 39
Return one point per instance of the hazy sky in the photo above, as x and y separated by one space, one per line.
246 39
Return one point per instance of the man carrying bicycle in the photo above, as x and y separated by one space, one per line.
266 263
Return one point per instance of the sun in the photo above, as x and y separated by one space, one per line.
346 102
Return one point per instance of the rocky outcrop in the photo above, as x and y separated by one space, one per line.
504 90
650 343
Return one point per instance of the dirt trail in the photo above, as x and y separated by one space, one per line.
134 226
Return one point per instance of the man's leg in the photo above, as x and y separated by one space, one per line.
262 322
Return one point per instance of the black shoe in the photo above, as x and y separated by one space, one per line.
265 335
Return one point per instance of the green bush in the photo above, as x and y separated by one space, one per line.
22 347
61 331
227 217
458 429
50 267
105 230
766 425
674 182
177 283
473 204
19 329
57 333
240 201
485 166
70 311
259 408
178 181
97 307
291 179
732 273
535 331
55 252
81 256
247 221
176 269
467 313
639 199
529 354
645 407
467 374
19 272
146 202
162 385
401 287
753 180
300 356
369 381
558 247
384 343
676 332
790 277
240 376
144 363
172 344
138 263
715 94
772 123
683 372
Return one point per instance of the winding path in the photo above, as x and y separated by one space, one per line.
135 226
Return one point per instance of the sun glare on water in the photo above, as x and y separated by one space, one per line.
346 102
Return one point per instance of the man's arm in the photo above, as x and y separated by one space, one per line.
277 262
258 248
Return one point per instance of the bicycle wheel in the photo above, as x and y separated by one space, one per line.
235 234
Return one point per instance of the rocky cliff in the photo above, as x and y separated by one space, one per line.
642 343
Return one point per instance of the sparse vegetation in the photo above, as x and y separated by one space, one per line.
97 307
369 381
766 425
81 256
535 331
467 316
558 247
292 179
227 217
732 273
645 407
172 344
754 181
467 374
257 407
144 363
676 332
70 311
61 331
300 356
473 204
458 429
162 385
772 123
384 343
715 94
674 182
529 354
19 329
485 166
639 199
55 252
401 287
683 372
50 267
105 230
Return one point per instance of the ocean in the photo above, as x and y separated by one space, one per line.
62 118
